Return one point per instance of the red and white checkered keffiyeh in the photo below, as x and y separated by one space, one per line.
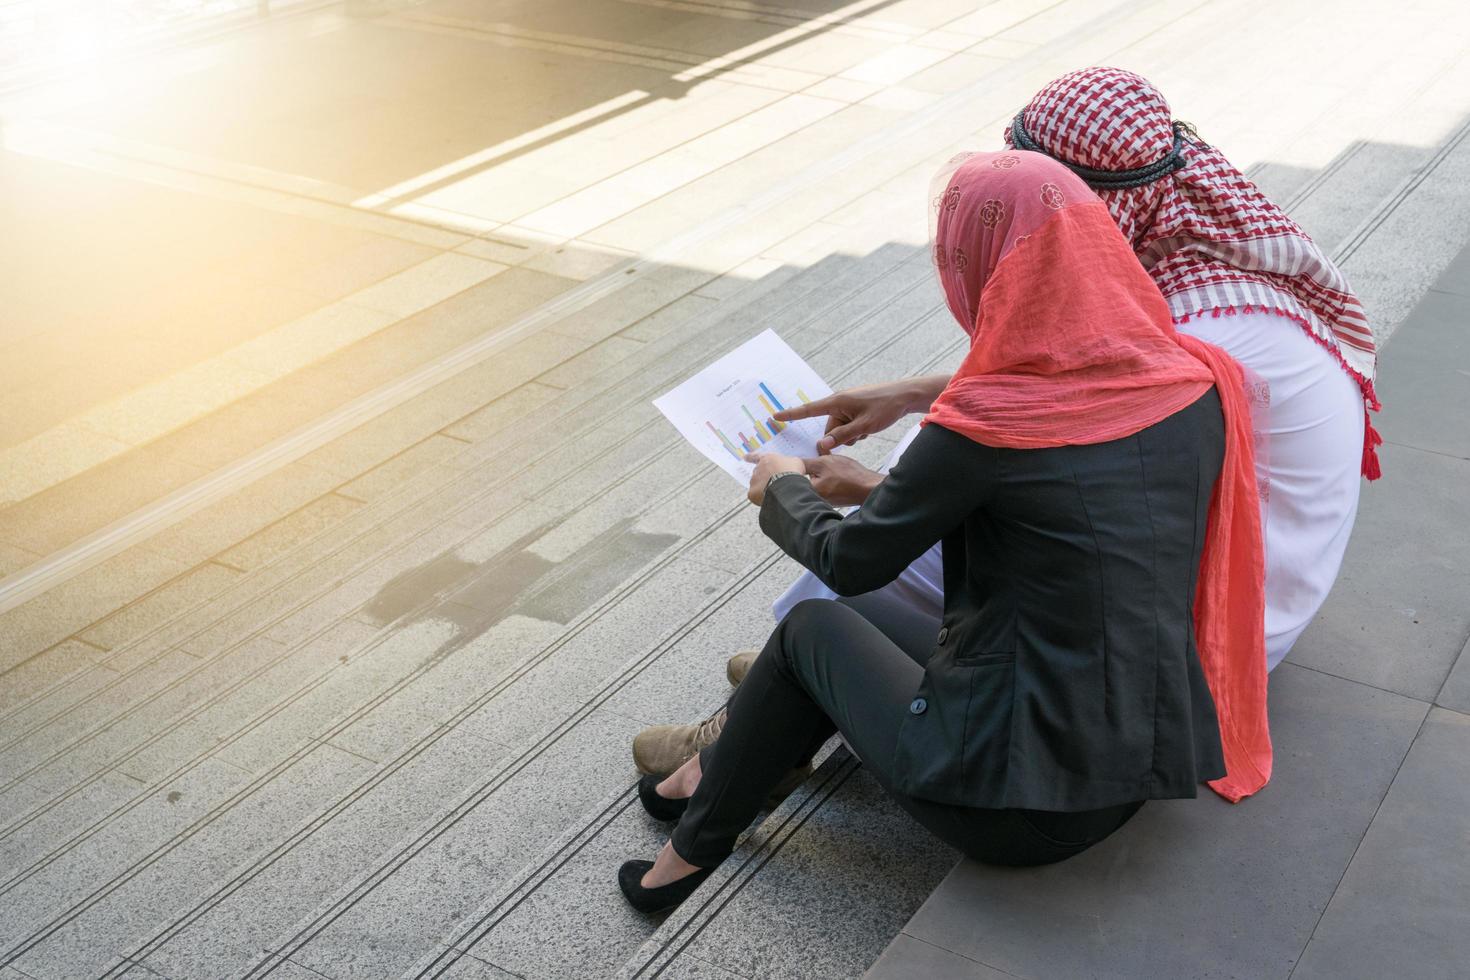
1214 244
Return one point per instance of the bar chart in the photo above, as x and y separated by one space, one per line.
763 428
728 409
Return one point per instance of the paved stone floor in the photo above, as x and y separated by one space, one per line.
342 551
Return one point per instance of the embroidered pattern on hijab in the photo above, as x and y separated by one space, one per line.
1071 343
1212 241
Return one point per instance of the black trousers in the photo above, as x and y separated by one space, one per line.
852 666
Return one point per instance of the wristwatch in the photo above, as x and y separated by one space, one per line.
777 476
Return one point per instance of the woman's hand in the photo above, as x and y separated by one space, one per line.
841 480
860 412
768 465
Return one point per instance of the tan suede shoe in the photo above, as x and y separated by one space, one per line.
660 749
739 665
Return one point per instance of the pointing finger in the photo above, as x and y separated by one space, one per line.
811 410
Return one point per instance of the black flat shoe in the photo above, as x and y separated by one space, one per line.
662 898
659 807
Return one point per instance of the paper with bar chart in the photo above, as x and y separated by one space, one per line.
726 410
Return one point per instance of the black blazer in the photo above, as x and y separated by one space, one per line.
1065 676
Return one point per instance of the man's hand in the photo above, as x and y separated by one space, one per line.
841 480
768 465
860 412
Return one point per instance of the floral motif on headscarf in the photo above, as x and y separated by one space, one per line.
992 212
1052 196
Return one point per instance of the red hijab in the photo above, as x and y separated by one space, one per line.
1071 343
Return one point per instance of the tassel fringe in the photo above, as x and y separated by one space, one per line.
1371 441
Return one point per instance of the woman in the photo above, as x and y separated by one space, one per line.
1090 474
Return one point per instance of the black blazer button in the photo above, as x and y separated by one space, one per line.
918 706
943 634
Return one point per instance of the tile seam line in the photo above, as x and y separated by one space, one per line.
371 881
723 969
1326 906
1425 449
143 523
933 945
1429 701
1439 691
672 56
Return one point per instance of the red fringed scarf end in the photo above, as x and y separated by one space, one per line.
1371 441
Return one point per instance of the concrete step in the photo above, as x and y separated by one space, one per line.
832 150
1397 252
221 792
921 342
185 627
165 702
